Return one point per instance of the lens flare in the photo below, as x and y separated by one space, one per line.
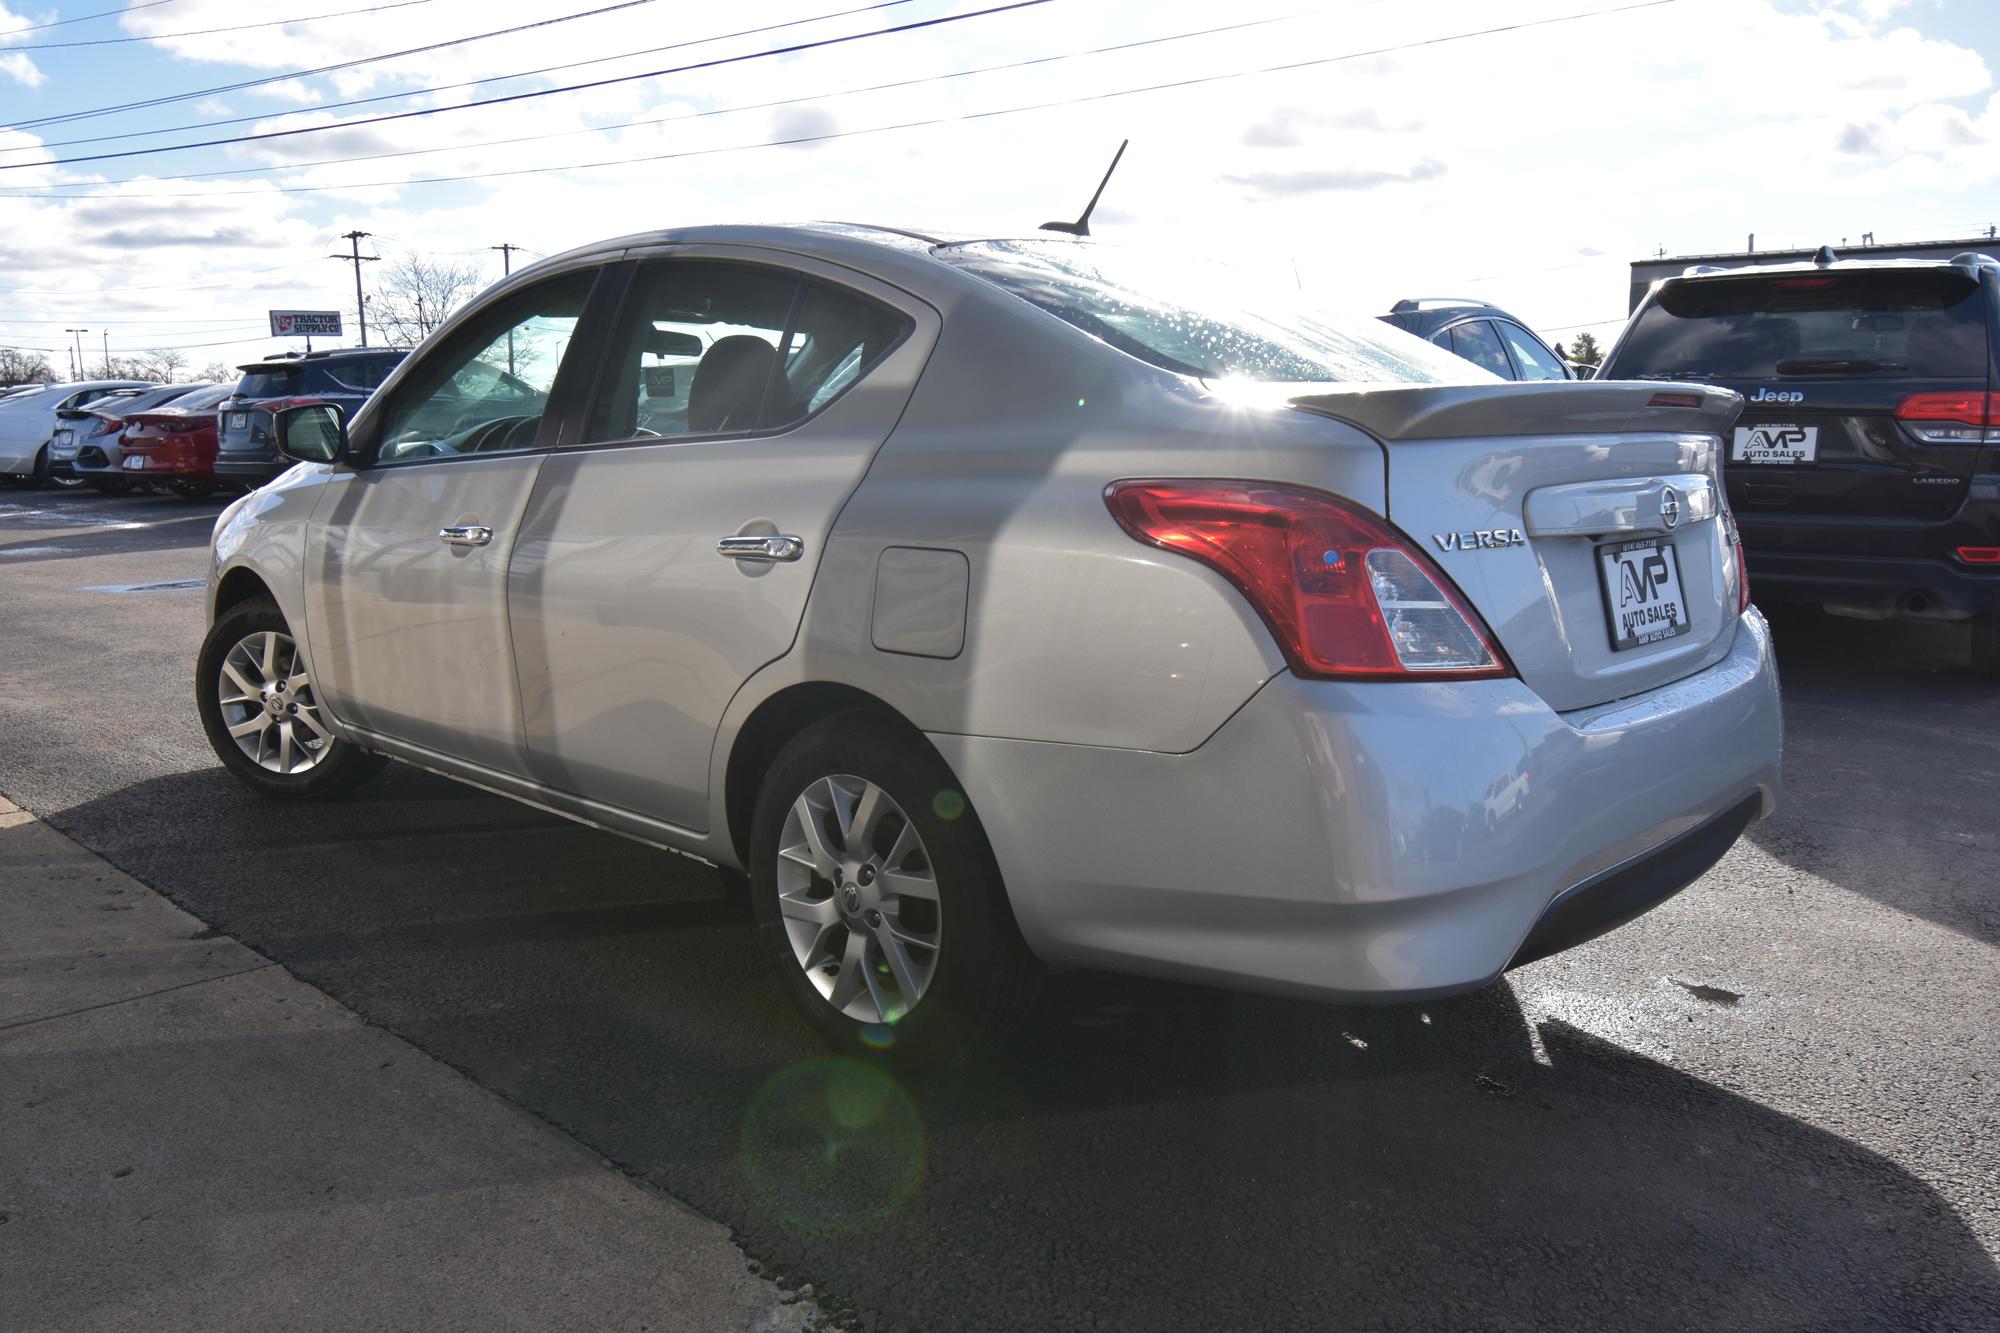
948 804
834 1145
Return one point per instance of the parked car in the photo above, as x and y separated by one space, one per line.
1485 335
344 376
84 448
1865 473
28 421
998 601
172 448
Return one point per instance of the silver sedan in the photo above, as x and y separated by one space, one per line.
980 604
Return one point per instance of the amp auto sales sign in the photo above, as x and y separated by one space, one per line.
305 323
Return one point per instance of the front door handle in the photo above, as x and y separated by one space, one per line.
762 548
465 534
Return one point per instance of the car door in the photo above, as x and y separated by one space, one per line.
741 398
406 559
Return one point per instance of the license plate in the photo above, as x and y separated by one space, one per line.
1785 445
1642 592
64 437
134 463
239 420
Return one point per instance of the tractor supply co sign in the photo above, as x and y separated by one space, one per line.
305 323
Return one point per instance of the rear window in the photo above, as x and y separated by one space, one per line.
362 375
1197 319
1922 324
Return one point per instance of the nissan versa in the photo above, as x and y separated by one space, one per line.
994 602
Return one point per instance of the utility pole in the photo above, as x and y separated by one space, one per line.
507 250
357 259
76 341
107 352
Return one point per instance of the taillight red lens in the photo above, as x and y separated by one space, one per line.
1345 594
105 426
1970 409
1980 555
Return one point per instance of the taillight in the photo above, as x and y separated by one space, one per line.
104 426
1953 418
1345 594
1742 565
1980 555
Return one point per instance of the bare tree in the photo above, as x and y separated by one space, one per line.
165 364
215 372
415 295
19 367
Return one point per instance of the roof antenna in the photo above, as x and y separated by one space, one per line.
1081 227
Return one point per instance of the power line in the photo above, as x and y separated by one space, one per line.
205 32
454 87
712 112
95 112
85 18
423 112
1173 85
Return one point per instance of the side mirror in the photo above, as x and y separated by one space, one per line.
311 432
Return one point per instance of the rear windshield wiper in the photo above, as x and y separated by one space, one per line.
1834 365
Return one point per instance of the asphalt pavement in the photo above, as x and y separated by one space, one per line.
1773 1103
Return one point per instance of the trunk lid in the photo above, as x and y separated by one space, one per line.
1562 510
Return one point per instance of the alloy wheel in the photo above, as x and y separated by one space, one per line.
268 705
859 898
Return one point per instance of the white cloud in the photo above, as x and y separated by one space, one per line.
21 70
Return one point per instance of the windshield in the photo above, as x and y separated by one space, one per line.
1200 319
1920 323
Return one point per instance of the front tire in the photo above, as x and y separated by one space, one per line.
879 900
1986 645
262 714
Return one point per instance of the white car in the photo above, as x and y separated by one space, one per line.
28 421
987 602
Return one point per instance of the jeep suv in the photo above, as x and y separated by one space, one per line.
1865 470
344 376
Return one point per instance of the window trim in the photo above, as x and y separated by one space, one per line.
803 277
557 418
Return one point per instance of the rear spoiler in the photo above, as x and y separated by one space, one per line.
1554 407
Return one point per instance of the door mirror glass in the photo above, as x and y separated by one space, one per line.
312 433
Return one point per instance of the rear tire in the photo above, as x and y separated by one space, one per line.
37 474
898 942
251 681
1986 645
192 490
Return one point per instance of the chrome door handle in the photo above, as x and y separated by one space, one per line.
761 548
465 534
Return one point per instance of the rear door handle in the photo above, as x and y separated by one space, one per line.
465 534
762 548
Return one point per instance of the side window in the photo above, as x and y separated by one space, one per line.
1474 340
485 390
697 353
838 338
1535 360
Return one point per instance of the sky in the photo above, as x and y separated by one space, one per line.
1522 152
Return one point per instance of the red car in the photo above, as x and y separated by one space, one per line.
174 446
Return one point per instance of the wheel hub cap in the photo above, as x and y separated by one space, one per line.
268 704
859 898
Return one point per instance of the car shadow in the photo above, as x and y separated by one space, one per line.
1138 1155
1862 698
187 529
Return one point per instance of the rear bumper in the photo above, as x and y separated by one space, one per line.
1378 842
1877 585
252 469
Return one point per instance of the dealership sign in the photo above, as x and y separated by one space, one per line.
305 323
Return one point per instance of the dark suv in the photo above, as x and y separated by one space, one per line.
345 376
1865 470
1485 335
